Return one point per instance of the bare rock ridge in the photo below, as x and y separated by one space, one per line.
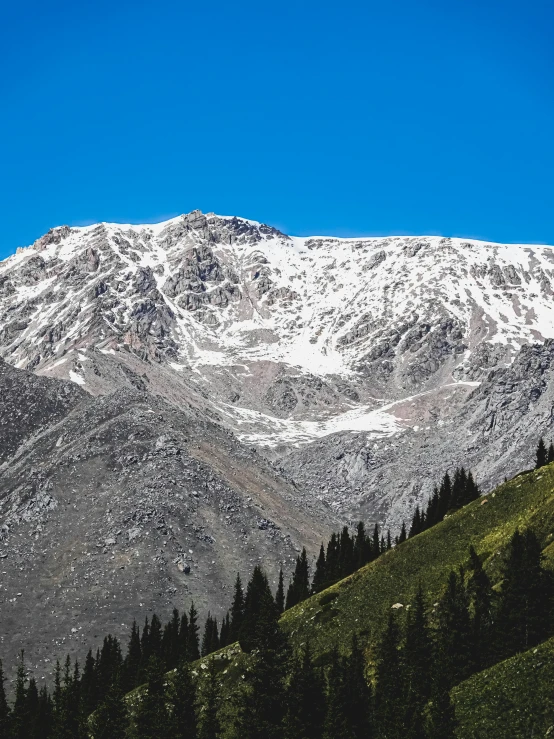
207 391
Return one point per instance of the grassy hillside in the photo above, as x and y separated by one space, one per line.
512 700
361 603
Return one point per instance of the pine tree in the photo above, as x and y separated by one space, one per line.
110 720
359 695
525 604
550 453
224 638
441 722
183 637
4 708
481 600
305 700
541 457
280 594
210 640
337 719
19 722
418 654
152 718
183 698
454 630
299 589
415 527
155 637
403 536
45 715
262 706
237 611
133 659
319 582
389 692
170 641
210 726
193 644
347 563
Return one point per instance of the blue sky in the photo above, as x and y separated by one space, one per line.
415 116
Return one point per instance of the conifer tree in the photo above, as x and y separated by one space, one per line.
359 695
34 727
237 611
319 582
541 457
4 708
415 527
337 722
210 726
389 691
332 560
299 589
305 700
20 717
132 661
481 597
170 641
152 718
210 640
183 638
441 721
403 536
88 686
362 547
525 604
550 453
454 631
183 698
155 637
110 720
193 643
347 562
224 638
418 655
261 711
376 547
280 594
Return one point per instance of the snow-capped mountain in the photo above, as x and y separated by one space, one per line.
294 344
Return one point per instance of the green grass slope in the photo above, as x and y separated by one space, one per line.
361 603
512 700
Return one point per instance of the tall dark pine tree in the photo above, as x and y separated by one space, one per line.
359 695
110 720
299 589
133 658
525 603
20 716
403 536
550 453
262 707
152 717
541 457
193 643
305 700
280 594
418 655
237 611
453 635
441 720
183 699
210 640
389 691
319 582
481 597
4 708
337 717
88 691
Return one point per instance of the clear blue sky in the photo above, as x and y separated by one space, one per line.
414 116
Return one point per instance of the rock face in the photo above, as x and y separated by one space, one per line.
200 348
116 506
